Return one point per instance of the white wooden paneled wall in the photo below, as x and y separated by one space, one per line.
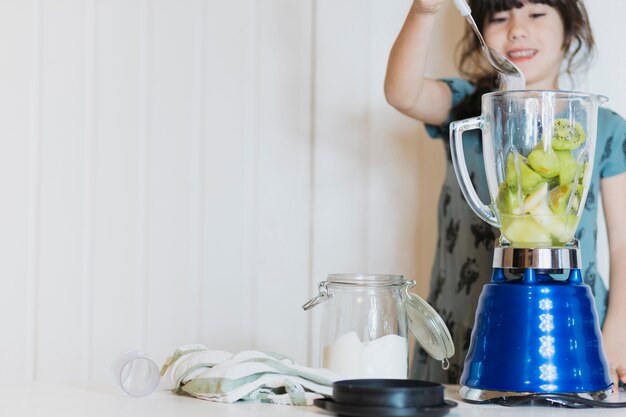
178 171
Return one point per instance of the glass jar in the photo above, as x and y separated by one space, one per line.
366 321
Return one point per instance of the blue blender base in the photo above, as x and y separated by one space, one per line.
535 335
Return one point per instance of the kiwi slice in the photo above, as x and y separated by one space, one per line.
524 231
568 165
559 197
545 162
569 229
535 199
529 179
561 228
567 135
508 201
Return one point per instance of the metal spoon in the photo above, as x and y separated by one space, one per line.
513 77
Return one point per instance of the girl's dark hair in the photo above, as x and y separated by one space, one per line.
578 44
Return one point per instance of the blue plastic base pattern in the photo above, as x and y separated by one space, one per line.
536 334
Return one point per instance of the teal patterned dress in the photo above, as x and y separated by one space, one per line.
465 244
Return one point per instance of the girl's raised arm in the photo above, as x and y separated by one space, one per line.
406 88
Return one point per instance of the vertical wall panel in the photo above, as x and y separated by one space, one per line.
117 184
341 148
87 189
341 153
60 291
229 170
171 286
283 193
17 74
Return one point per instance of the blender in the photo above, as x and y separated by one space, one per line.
536 329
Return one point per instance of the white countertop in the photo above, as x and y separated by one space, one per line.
56 400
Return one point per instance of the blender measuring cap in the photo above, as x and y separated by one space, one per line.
135 373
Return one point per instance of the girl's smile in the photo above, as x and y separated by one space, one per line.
519 55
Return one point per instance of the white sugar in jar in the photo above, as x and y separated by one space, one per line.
385 357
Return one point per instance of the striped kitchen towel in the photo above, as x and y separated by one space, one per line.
249 375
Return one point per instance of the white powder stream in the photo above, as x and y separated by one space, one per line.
385 357
511 83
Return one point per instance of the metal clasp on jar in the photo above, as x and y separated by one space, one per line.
323 295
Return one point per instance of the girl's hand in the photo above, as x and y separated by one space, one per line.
614 339
427 6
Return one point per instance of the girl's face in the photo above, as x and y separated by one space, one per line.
532 38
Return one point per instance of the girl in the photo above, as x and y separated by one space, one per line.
541 37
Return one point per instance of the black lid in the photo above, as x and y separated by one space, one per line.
387 397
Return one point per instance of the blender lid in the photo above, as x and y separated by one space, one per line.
386 397
428 328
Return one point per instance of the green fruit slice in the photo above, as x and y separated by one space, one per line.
545 162
530 180
508 201
536 199
568 165
511 172
567 135
524 231
561 228
559 197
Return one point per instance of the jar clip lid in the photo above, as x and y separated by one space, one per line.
428 327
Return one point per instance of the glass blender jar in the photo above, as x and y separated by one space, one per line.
536 328
538 148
